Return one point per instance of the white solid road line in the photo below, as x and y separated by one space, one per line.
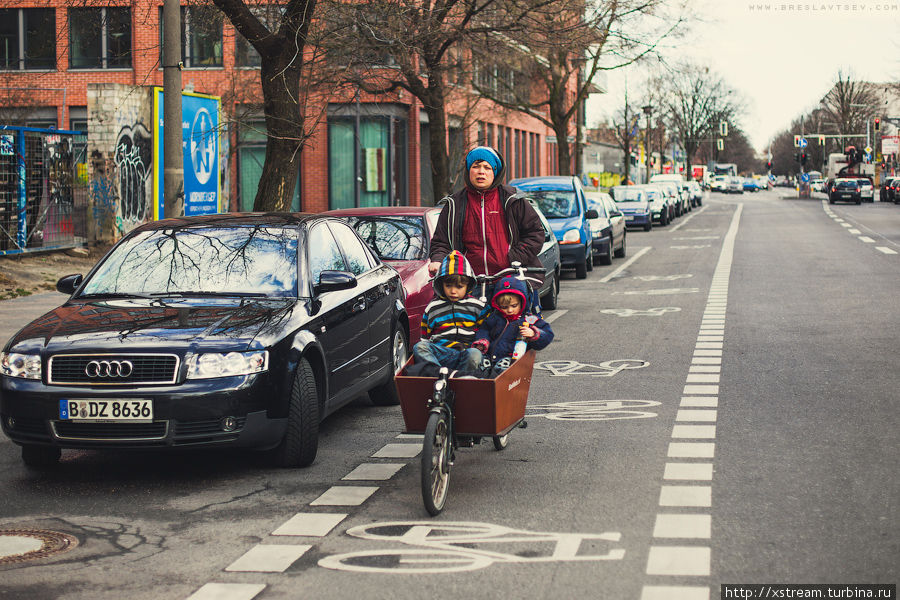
626 264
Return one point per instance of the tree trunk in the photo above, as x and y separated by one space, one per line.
437 126
284 133
563 151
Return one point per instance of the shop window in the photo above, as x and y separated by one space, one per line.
100 38
251 157
27 39
366 161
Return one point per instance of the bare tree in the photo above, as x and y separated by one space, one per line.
626 127
547 67
848 105
292 70
695 101
390 45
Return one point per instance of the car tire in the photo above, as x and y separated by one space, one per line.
663 220
41 457
386 393
581 270
620 253
549 300
648 226
606 259
300 443
830 200
589 260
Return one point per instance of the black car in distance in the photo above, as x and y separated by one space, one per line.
226 330
845 190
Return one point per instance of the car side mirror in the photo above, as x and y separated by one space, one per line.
68 284
615 213
591 214
331 281
548 236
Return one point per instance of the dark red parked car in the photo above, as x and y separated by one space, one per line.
400 236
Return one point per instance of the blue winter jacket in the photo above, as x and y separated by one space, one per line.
502 332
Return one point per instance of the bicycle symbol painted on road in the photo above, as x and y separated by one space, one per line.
454 547
650 312
593 410
609 368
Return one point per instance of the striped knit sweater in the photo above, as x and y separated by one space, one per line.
453 324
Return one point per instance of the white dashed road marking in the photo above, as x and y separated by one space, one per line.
344 495
885 250
398 451
626 264
268 558
699 404
228 591
310 524
373 472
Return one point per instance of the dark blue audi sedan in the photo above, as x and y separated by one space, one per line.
225 330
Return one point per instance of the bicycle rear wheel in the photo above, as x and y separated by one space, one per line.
436 463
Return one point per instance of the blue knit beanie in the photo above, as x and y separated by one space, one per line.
485 153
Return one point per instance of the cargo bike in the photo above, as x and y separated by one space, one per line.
454 413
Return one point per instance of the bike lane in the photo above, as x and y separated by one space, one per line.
586 490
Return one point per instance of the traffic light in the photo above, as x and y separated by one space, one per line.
796 157
769 166
803 158
723 128
877 123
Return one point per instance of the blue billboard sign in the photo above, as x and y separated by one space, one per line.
200 151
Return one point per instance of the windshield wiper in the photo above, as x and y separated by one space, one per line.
214 294
116 295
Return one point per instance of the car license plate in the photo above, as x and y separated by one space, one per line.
629 218
105 411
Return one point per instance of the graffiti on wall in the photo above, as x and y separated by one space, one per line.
105 199
133 158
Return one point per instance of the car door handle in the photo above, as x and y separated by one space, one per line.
359 305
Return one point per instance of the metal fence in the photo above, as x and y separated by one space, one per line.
43 189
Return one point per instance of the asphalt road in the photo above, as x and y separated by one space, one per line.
753 439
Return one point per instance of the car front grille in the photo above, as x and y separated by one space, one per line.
72 369
69 430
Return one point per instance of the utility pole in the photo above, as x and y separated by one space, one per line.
173 160
647 111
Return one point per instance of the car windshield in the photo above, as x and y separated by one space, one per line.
626 194
556 204
252 260
598 206
393 237
653 195
846 183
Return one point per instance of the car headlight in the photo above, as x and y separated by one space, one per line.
572 236
27 366
213 364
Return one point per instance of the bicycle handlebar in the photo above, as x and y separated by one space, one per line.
515 268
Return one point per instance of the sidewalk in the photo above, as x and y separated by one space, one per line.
18 312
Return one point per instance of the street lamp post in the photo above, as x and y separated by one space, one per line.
648 109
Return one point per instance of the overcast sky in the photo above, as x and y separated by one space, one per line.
781 56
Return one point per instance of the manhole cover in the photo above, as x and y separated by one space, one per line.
19 545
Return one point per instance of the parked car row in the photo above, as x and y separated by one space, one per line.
889 191
661 201
246 330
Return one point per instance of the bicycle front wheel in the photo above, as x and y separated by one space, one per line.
436 463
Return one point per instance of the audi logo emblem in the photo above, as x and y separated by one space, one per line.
108 368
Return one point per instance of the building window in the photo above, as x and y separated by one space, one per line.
367 163
27 39
251 157
270 15
201 36
100 38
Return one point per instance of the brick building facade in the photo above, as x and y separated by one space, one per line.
372 151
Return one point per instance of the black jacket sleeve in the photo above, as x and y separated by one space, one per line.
441 245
